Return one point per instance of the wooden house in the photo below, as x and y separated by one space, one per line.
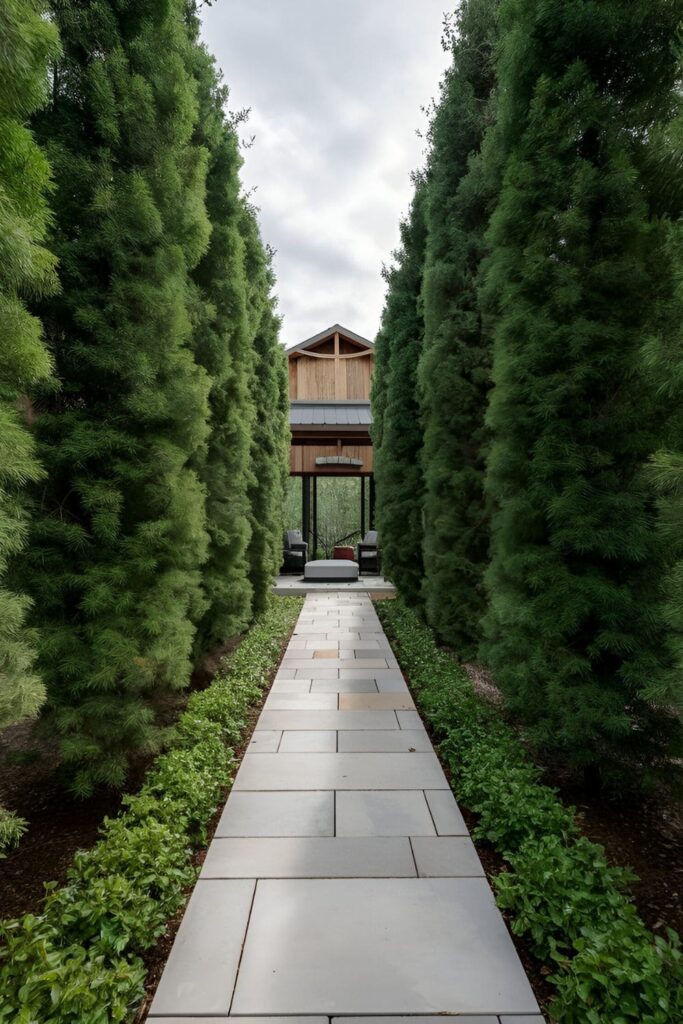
330 376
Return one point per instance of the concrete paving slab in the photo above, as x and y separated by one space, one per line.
478 1019
310 701
370 701
446 857
200 972
344 686
316 673
309 741
339 771
362 857
409 720
241 1020
385 813
277 814
265 741
327 720
448 820
291 686
386 946
525 1019
407 741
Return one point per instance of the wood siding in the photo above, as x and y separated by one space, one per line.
302 459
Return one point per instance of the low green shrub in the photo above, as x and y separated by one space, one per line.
12 828
79 960
561 894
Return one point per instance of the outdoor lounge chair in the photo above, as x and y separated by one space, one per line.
295 552
368 553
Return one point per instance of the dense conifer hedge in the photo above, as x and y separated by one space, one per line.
397 435
26 270
455 363
155 530
549 379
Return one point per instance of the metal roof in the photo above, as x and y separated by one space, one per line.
346 414
329 333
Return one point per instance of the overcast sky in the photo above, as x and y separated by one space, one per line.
335 89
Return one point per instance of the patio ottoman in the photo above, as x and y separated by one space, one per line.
331 570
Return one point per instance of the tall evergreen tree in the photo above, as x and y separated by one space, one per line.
664 356
397 439
26 270
454 366
269 450
576 264
224 346
116 553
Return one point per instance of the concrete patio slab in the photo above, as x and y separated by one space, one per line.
327 720
478 1019
360 857
448 820
339 771
371 701
266 741
308 741
291 686
343 686
405 741
409 720
446 857
310 701
202 967
278 814
388 813
396 946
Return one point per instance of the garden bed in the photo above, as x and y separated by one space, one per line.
557 889
80 959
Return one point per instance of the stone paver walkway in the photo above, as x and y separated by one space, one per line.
342 881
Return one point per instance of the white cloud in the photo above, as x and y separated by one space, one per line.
335 89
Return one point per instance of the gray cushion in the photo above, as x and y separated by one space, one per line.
331 569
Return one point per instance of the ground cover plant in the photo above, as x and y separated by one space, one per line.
562 896
79 959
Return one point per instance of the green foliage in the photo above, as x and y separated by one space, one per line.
223 344
27 269
79 960
12 828
397 435
116 549
269 458
455 361
577 269
558 888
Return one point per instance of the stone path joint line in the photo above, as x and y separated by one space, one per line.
342 881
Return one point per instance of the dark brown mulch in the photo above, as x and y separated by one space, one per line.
59 824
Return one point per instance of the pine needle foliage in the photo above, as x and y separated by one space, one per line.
269 452
577 265
454 368
397 435
27 269
116 551
223 338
